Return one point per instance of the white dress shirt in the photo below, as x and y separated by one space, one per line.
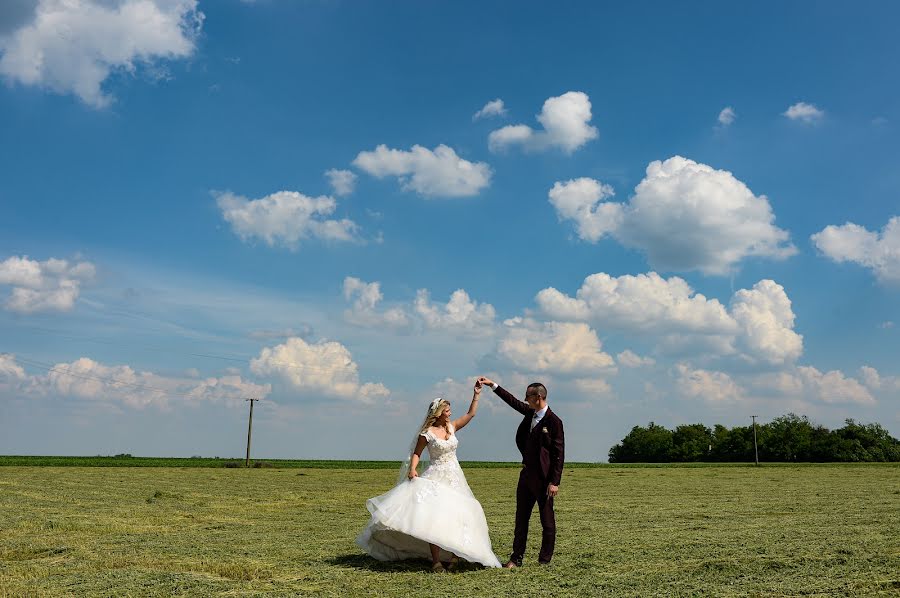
538 416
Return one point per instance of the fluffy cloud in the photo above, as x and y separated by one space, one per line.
630 359
90 380
683 216
583 202
438 173
808 383
565 347
566 126
645 303
460 313
285 218
592 387
850 242
727 116
758 325
342 181
73 46
11 373
364 312
51 285
766 321
803 112
715 387
326 367
492 108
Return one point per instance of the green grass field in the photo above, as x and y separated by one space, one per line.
116 531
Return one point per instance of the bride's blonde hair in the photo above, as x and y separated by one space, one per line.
435 409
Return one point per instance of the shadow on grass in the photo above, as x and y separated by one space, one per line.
367 563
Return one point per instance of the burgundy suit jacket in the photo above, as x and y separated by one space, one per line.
543 449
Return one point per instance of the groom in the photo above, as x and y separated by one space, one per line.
541 441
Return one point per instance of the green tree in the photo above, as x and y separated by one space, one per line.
866 442
692 442
652 444
732 445
786 438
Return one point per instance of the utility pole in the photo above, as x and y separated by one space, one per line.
249 429
755 450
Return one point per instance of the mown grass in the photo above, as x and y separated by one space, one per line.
788 530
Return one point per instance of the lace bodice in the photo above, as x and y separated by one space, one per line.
444 467
440 450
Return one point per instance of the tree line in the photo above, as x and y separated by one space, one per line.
787 438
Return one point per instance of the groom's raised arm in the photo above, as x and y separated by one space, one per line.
520 406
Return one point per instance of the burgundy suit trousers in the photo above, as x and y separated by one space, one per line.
531 490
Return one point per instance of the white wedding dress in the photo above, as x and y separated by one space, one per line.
437 507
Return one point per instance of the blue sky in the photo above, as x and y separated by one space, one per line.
675 213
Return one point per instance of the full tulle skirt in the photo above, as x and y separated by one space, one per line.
421 511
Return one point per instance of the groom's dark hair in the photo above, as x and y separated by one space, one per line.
540 388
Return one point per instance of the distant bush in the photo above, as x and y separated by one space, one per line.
232 464
789 438
262 464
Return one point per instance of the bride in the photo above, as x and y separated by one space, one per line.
433 515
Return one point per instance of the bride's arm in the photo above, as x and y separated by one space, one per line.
414 459
461 422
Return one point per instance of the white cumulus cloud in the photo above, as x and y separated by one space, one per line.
766 321
553 347
758 326
364 311
684 216
88 379
285 218
438 173
325 367
850 242
810 384
566 126
492 108
460 313
583 201
343 182
805 113
643 302
12 375
873 380
711 386
630 359
73 46
51 285
727 116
